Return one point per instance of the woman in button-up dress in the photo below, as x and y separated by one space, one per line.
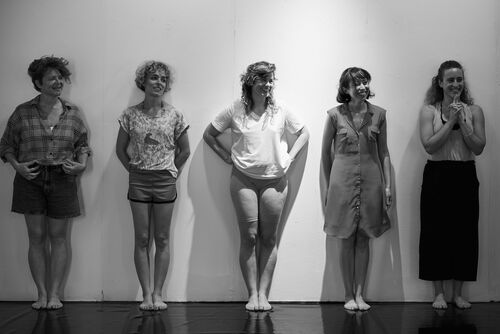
46 143
357 168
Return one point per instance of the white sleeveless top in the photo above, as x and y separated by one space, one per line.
454 148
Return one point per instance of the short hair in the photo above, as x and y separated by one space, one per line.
40 66
255 71
435 92
151 66
352 75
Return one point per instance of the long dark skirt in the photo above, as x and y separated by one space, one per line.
449 213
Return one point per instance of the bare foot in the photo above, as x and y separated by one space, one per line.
40 304
158 303
351 305
439 302
362 305
461 303
147 304
54 303
264 303
253 303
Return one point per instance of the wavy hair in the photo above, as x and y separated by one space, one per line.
255 71
148 67
435 92
40 66
352 75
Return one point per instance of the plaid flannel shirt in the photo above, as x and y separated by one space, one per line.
28 138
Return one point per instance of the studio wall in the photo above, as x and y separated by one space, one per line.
208 44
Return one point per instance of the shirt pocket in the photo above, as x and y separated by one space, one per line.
347 141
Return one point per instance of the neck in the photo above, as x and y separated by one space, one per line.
48 100
152 102
356 105
259 103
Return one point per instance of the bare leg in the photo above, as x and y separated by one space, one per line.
246 205
439 300
37 234
140 214
361 258
162 214
271 205
58 230
460 302
347 270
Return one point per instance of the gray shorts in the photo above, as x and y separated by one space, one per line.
151 186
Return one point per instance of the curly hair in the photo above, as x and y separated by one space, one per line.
435 92
258 70
40 66
151 66
352 75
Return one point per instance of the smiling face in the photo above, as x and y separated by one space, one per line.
452 82
263 85
155 83
52 83
358 89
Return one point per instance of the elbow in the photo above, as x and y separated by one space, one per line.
207 137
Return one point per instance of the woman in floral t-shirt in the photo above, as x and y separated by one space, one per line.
152 145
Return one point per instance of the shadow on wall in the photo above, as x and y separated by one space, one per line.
214 272
410 175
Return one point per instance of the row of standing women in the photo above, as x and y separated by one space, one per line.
46 143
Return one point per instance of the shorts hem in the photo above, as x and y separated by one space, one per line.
151 201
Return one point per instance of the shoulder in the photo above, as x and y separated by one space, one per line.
428 109
132 110
335 112
474 108
376 109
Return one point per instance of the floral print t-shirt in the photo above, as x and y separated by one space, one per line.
153 138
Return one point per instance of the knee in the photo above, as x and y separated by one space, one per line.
268 241
37 239
57 239
142 240
248 240
162 241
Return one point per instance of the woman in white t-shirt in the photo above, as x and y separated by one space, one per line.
260 158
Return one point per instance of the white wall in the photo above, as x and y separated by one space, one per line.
208 44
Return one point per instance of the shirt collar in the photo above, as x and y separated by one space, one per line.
66 105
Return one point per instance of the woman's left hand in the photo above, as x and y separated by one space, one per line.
388 197
73 167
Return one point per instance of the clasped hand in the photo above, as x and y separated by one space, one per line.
28 170
73 167
457 112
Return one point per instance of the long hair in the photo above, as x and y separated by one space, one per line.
39 67
435 92
255 71
151 66
352 75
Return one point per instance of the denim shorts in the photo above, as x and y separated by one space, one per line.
151 186
52 193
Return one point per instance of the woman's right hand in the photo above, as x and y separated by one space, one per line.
28 170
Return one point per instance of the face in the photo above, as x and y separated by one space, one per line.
52 83
452 82
155 83
263 86
358 90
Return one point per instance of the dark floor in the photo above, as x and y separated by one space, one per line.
289 318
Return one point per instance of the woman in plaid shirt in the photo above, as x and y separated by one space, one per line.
45 141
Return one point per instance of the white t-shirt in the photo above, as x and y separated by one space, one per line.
259 147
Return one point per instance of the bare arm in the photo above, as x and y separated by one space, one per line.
430 140
121 148
210 136
302 139
385 161
182 150
474 136
326 149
